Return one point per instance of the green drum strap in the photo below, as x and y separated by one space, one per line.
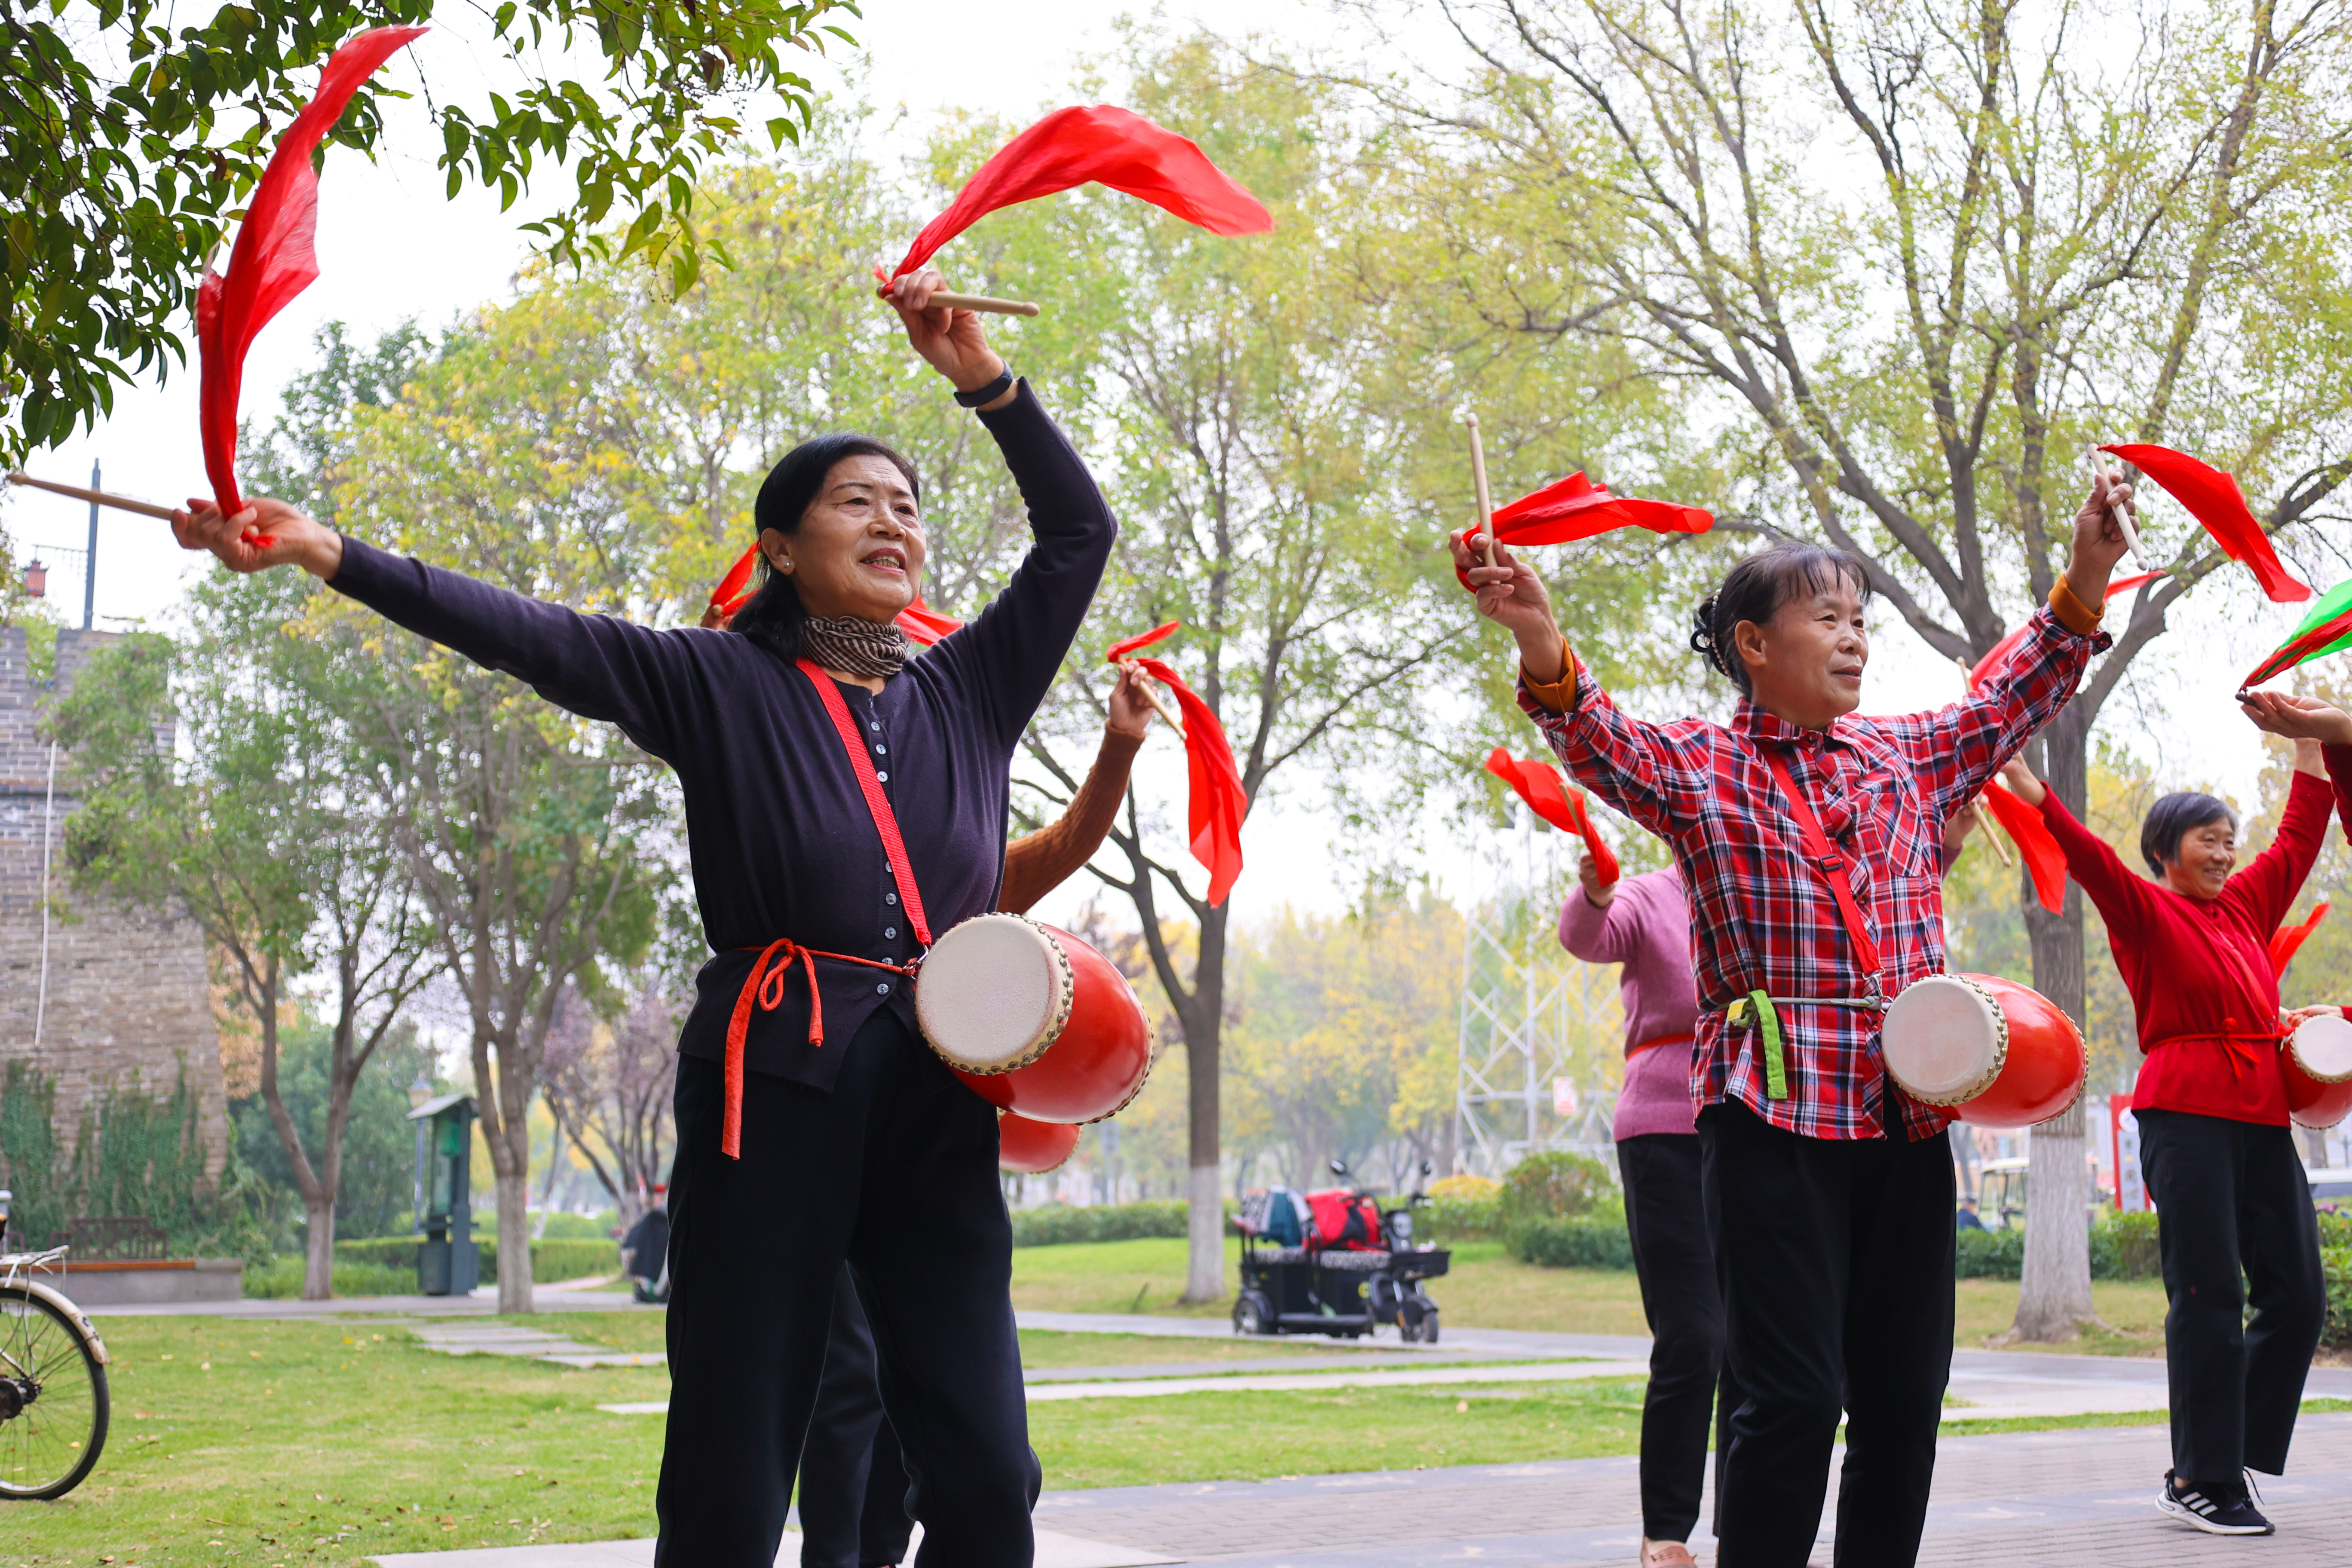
1776 1070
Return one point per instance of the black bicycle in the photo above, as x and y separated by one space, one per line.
53 1398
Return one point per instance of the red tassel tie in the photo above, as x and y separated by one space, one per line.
766 986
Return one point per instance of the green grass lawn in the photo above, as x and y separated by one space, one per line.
1489 1289
257 1443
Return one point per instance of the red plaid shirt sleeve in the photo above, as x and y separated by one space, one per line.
1762 918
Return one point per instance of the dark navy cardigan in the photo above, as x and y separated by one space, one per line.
782 842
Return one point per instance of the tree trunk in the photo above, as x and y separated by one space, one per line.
2054 1300
319 1251
514 1241
1204 1021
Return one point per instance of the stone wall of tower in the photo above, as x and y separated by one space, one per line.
121 997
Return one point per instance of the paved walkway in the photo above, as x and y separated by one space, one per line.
2038 1499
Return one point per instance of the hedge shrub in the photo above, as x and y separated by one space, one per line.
1462 1208
1990 1255
550 1260
1555 1184
2122 1246
1056 1224
281 1279
1586 1241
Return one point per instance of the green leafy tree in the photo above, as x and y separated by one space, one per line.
1920 262
127 142
266 835
531 837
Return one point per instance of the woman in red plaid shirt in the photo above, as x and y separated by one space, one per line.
1830 1193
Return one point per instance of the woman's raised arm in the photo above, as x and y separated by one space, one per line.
643 681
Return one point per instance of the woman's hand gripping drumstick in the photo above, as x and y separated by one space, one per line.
1510 595
951 339
1135 699
2120 511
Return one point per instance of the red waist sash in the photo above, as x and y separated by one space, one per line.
1656 1040
765 984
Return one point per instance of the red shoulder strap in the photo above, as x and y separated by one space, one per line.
1833 864
886 821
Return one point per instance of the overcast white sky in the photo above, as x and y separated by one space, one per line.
390 246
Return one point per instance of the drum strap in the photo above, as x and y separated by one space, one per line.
765 984
1836 869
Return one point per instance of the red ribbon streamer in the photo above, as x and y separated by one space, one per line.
274 258
2007 645
2044 860
2287 941
1549 798
2214 500
1100 143
1575 507
1126 649
1217 802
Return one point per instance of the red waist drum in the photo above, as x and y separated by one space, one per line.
2316 1060
1033 1148
1996 1053
1035 1021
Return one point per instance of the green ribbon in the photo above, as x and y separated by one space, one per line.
1776 1070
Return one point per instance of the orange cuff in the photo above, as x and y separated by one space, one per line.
1559 696
2073 613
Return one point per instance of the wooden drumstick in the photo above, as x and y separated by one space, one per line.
943 300
2000 845
121 503
1479 476
1151 695
2123 519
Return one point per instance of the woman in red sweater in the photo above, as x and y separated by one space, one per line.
2193 948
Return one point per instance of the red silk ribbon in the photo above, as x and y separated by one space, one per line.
1550 797
1216 802
2044 860
2287 941
274 257
1575 507
2214 500
1099 143
2000 651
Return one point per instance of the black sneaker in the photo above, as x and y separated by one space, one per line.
2231 1514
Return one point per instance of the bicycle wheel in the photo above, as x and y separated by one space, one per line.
53 1399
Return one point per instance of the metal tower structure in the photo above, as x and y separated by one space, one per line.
1541 1032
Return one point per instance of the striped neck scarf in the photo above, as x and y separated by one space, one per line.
854 645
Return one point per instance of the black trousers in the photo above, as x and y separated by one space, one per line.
1666 1218
894 1171
1835 1259
2231 1196
853 1491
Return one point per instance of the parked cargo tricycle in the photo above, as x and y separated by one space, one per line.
1333 1262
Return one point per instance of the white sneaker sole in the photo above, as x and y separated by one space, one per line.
2188 1516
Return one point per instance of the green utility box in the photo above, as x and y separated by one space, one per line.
448 1262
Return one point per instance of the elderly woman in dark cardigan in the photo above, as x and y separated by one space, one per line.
810 1136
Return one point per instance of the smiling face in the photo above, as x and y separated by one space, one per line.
2209 853
1805 664
859 547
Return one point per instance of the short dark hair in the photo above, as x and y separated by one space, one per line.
772 619
2172 819
1756 588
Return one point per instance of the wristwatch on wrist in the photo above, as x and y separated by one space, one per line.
982 396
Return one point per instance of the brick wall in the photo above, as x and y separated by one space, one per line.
128 998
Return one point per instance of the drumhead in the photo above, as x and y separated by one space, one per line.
994 992
1943 1039
2323 1048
